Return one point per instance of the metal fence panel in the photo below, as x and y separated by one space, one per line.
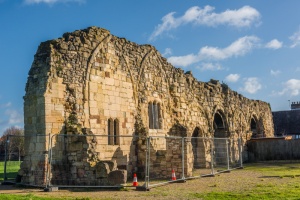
102 161
165 159
90 160
29 164
202 149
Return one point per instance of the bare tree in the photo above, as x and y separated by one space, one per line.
14 138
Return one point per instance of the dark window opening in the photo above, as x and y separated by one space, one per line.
113 132
218 121
154 115
253 124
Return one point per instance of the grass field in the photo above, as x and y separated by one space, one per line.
256 181
12 168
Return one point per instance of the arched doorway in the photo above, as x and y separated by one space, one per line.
255 128
220 143
220 128
199 145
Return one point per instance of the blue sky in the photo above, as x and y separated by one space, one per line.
253 46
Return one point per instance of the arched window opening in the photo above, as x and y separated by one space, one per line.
255 128
199 149
220 126
253 125
116 132
109 130
150 115
113 131
218 122
154 115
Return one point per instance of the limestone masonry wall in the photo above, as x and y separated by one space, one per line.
90 82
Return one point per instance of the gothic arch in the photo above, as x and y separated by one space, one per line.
239 121
255 126
89 65
200 114
200 146
219 124
152 53
131 78
102 44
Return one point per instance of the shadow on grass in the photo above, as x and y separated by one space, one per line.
9 176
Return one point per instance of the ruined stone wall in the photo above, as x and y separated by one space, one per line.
92 82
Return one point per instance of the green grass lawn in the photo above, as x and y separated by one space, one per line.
261 181
266 189
276 169
23 197
12 168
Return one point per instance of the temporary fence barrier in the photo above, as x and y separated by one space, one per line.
35 167
103 161
189 158
93 161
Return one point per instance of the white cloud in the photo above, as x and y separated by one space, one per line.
11 117
237 48
295 39
232 78
210 67
251 85
292 87
167 52
243 17
274 44
275 72
14 117
184 61
51 1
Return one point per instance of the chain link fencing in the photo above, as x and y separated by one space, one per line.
113 161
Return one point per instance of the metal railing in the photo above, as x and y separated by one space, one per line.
91 161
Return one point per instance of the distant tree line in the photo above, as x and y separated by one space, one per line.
13 140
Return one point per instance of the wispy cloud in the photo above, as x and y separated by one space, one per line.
10 117
237 48
275 72
6 105
184 61
232 78
251 85
295 38
167 52
274 44
14 117
51 1
291 87
210 67
243 17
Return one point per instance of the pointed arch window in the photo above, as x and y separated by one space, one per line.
154 115
113 132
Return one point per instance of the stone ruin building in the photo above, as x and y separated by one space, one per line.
90 82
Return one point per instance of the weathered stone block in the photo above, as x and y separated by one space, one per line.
117 177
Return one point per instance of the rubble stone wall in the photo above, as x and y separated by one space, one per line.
91 82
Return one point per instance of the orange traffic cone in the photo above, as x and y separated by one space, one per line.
135 183
173 175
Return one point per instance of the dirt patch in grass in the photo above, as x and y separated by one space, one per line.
245 182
